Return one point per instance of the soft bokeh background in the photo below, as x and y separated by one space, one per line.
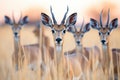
33 8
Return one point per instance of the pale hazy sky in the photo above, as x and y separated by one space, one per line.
33 8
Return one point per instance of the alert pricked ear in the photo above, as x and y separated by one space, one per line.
8 20
71 20
86 28
113 24
71 29
94 24
25 20
46 20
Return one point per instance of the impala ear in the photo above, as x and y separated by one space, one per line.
46 20
71 29
86 28
71 20
113 24
94 24
25 20
8 20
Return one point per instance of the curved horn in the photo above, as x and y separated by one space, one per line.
53 17
108 18
101 18
82 25
13 17
20 18
75 28
63 21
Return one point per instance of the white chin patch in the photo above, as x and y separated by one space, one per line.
58 48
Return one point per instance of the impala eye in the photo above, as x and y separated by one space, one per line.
82 35
108 33
64 31
53 31
74 35
99 33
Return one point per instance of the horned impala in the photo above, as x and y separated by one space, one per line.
104 33
16 27
58 31
78 36
80 52
19 53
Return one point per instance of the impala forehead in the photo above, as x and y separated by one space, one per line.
78 33
104 30
16 25
59 27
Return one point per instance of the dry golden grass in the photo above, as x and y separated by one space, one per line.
7 71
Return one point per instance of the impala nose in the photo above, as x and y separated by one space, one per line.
58 40
15 33
78 42
103 41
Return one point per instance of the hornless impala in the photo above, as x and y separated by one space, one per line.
104 33
58 32
18 54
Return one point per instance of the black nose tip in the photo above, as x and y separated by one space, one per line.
58 40
78 42
15 33
103 41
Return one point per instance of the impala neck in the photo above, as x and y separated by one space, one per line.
59 53
105 47
106 55
79 48
16 44
59 48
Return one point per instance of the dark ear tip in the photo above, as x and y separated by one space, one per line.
42 13
88 24
116 19
5 16
91 19
26 16
74 14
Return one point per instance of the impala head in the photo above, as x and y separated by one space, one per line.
104 30
16 27
78 34
58 30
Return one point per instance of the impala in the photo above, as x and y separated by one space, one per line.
58 31
104 33
31 52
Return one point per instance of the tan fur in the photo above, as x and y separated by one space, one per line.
59 27
75 69
82 54
116 58
106 52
